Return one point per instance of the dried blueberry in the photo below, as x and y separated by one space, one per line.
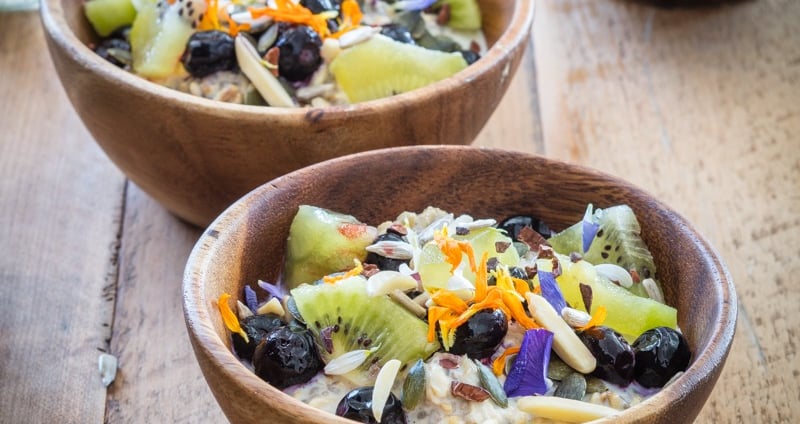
287 357
382 262
615 359
319 6
479 336
515 224
470 56
115 50
357 406
660 354
299 57
398 32
208 52
257 328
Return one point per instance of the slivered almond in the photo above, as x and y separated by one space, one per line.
267 85
560 409
565 342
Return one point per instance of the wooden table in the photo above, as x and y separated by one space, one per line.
700 107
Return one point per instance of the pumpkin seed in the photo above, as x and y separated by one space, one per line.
492 385
595 385
557 369
414 386
573 386
291 305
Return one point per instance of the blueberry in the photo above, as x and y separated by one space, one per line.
208 52
318 6
615 358
479 337
115 50
397 32
257 328
357 406
287 356
660 354
470 56
515 224
299 53
384 263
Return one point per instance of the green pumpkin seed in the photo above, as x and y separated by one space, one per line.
414 386
595 385
573 386
557 369
492 385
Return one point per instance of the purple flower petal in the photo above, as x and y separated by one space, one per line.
528 375
550 290
413 4
589 229
250 298
273 289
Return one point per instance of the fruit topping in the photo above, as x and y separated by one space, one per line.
479 337
208 52
158 38
322 242
464 14
344 318
287 356
299 57
257 328
660 354
357 406
106 16
615 358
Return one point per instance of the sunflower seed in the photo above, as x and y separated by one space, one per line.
107 364
357 35
347 361
615 274
652 289
392 249
574 317
267 39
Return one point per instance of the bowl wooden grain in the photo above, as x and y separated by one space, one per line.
247 243
196 156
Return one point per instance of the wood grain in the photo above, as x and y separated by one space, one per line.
60 209
701 108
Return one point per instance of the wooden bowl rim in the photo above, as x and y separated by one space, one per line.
236 216
52 16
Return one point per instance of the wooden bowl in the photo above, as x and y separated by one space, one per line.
196 156
247 243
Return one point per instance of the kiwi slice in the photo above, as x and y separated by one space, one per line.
464 14
344 318
322 242
381 67
158 39
618 241
106 16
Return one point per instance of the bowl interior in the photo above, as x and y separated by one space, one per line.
247 242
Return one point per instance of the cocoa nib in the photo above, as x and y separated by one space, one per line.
468 391
533 239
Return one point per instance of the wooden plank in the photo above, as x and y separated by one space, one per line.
516 124
159 380
701 108
60 205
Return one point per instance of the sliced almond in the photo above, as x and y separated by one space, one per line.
383 387
560 409
384 282
267 85
566 343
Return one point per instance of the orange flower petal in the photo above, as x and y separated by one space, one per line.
500 363
449 300
229 318
517 311
481 279
597 319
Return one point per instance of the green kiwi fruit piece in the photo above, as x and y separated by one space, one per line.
158 40
322 242
618 241
381 67
464 14
106 16
356 321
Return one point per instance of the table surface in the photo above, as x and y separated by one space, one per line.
700 107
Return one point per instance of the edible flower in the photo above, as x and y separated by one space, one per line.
413 4
528 375
350 19
229 318
357 269
453 249
210 19
251 298
500 362
295 13
597 319
589 227
551 291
